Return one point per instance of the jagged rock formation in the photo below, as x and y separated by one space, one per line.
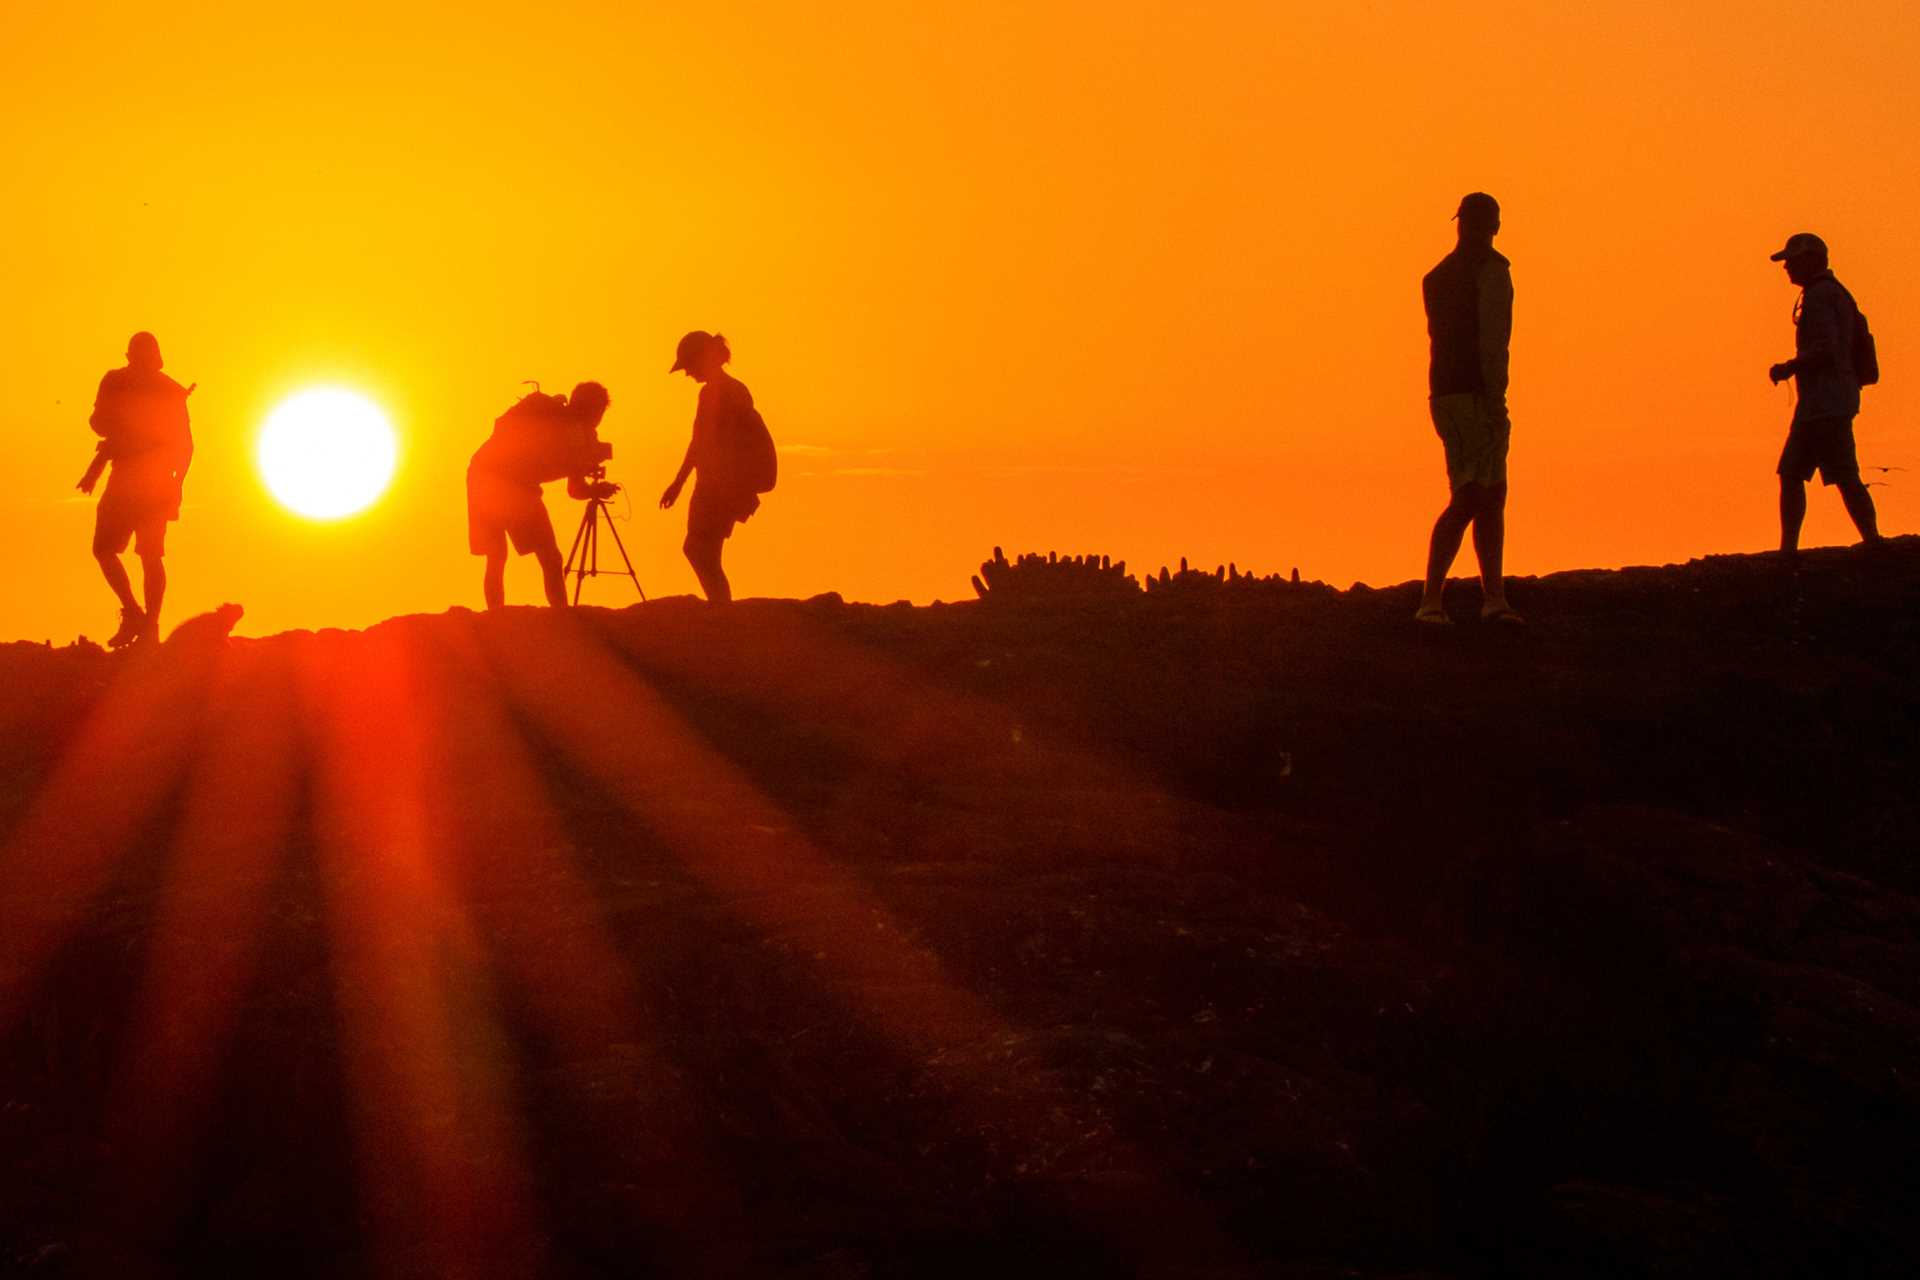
1227 577
1050 577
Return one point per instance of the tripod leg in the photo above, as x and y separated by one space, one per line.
627 560
579 535
590 533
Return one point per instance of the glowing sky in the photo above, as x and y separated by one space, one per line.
1130 278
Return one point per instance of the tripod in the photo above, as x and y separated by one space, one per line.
583 559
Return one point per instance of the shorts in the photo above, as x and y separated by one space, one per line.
1823 444
712 512
136 507
498 509
1474 428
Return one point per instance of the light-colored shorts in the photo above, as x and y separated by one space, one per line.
1475 429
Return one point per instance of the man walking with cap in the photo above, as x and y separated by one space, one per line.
732 452
1469 302
1827 393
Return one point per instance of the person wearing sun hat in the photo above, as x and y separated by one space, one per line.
1469 304
1827 393
140 415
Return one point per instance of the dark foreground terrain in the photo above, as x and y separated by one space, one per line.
1212 932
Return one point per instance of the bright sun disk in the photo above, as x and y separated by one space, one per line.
326 453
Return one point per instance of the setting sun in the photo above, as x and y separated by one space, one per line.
327 453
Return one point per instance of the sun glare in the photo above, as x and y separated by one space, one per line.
326 453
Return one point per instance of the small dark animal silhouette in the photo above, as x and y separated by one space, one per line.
206 630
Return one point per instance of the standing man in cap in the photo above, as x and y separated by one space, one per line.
731 450
1827 387
1469 302
140 416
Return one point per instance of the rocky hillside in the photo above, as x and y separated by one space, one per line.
1240 929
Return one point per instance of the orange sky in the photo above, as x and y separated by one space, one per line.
1119 277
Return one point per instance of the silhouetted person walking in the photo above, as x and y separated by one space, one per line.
540 438
1469 302
140 415
731 450
1827 393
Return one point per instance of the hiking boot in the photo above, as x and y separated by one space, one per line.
132 622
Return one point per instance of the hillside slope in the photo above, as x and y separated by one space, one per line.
1217 932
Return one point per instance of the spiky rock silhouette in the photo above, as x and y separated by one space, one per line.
1035 577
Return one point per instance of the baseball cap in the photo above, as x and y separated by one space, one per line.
1798 243
1477 205
691 346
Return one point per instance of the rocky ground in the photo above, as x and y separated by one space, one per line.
1205 932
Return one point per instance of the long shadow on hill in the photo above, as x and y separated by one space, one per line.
1161 936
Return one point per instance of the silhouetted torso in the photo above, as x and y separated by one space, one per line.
141 415
1469 301
1823 326
718 424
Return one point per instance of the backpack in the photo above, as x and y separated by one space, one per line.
755 460
537 440
1866 358
534 410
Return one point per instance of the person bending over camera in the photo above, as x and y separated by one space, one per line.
540 438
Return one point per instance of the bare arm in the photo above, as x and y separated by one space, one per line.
1496 324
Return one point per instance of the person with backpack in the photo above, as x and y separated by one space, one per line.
140 415
1833 358
731 449
540 438
1469 304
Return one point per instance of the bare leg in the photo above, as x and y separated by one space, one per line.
1490 545
553 575
153 577
116 576
493 584
1860 507
1448 530
703 553
1793 512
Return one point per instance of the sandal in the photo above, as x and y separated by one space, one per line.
1505 614
1432 616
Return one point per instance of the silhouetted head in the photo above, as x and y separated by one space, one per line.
589 403
701 354
1805 257
143 351
1479 217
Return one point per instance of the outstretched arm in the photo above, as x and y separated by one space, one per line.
99 464
672 494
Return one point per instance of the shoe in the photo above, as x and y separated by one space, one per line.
132 622
1504 614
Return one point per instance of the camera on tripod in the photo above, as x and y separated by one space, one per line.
599 488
